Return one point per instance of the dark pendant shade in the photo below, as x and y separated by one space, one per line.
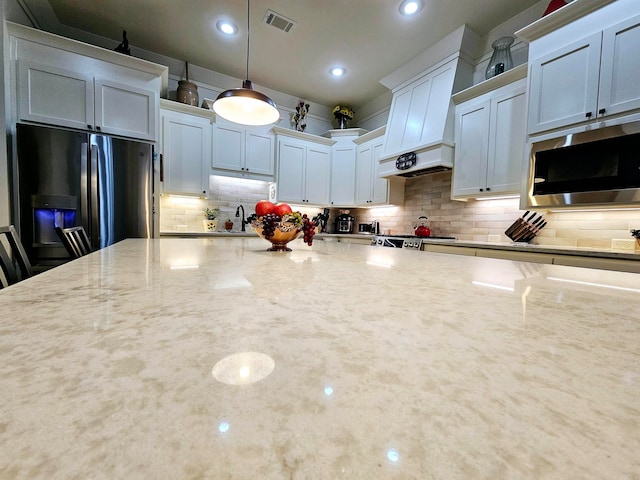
246 106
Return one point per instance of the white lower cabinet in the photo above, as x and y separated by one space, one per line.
490 138
186 150
304 171
245 152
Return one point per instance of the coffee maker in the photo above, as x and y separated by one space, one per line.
344 222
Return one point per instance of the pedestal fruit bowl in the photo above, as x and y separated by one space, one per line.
280 226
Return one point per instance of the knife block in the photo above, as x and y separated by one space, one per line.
523 230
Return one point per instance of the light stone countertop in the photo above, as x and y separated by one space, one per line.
208 358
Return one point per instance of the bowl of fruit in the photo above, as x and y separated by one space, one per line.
279 224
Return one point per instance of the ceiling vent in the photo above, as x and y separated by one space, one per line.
276 20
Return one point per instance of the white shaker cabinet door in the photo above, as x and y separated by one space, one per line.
317 175
125 110
364 171
507 140
260 154
291 159
620 68
380 187
472 135
564 86
186 144
343 175
55 96
228 148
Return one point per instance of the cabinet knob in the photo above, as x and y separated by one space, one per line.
89 127
602 110
482 189
588 114
97 128
488 189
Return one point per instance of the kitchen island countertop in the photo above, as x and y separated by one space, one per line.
202 358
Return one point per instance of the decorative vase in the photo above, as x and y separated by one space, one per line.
342 122
210 225
501 60
187 92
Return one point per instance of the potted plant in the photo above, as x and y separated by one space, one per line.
228 225
210 223
636 234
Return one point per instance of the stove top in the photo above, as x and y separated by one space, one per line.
405 241
437 237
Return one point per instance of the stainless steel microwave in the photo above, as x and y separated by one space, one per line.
597 168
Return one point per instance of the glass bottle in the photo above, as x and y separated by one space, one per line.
501 60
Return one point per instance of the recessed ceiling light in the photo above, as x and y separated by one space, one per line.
226 27
410 7
337 71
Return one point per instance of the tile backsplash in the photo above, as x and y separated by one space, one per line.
184 214
429 195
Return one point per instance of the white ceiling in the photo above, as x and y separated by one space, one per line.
370 38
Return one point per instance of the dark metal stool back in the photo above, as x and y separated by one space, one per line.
15 264
75 240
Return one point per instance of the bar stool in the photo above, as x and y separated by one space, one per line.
15 264
75 240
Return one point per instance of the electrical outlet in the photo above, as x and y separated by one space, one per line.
623 244
493 239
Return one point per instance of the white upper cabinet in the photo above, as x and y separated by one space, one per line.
620 68
246 152
343 175
124 110
371 189
304 168
590 79
490 137
70 84
186 149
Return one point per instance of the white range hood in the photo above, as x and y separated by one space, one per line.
420 128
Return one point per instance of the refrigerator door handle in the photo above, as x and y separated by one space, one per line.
84 184
95 206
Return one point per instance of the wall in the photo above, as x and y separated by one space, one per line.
429 195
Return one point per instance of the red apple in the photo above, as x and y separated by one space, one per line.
282 209
264 207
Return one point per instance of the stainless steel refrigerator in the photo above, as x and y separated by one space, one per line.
68 178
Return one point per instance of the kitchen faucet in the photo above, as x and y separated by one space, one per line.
243 221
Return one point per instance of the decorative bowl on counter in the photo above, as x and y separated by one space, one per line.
281 229
283 234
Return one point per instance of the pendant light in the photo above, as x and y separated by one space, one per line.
245 105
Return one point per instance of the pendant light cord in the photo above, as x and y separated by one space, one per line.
248 37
